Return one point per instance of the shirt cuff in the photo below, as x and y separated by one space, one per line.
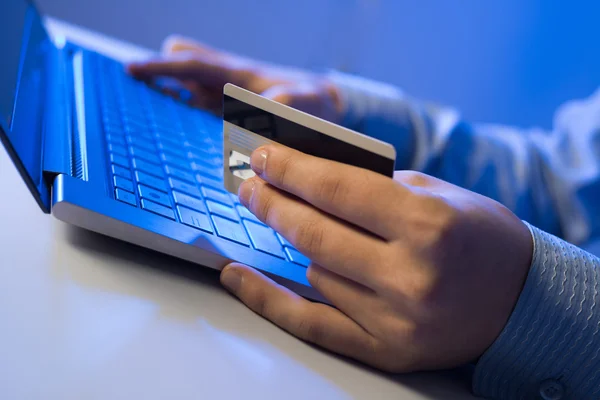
550 347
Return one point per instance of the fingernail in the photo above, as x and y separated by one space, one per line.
231 279
245 192
259 161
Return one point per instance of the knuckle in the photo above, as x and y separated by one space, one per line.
423 287
171 41
331 188
413 178
308 236
263 206
418 283
310 330
448 220
438 223
281 172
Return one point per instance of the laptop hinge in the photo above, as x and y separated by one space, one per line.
58 116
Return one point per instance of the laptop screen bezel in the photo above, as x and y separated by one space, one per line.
40 190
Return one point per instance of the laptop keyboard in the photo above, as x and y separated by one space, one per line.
166 158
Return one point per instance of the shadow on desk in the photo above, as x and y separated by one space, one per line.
151 270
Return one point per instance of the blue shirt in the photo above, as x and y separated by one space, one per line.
550 347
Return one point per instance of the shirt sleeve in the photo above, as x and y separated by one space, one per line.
548 178
550 347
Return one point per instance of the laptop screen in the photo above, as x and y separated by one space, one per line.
24 44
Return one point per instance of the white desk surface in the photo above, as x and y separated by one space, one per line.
83 316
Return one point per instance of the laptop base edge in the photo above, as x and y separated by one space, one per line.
88 219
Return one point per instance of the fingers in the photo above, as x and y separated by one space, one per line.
207 69
206 99
315 323
176 43
325 240
361 197
353 299
184 65
311 98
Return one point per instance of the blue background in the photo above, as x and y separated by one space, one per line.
511 61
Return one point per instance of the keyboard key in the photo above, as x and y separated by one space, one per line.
230 230
180 174
151 181
214 162
202 153
213 175
123 183
173 149
145 155
201 142
117 149
217 196
210 183
189 202
125 197
186 188
158 209
119 160
115 139
244 212
177 159
171 140
141 143
133 123
264 239
205 168
147 167
120 171
195 219
297 258
144 135
222 210
284 241
154 195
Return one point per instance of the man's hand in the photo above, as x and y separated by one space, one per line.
204 71
423 274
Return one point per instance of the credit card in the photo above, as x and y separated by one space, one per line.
251 121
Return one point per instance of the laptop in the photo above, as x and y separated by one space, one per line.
102 151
